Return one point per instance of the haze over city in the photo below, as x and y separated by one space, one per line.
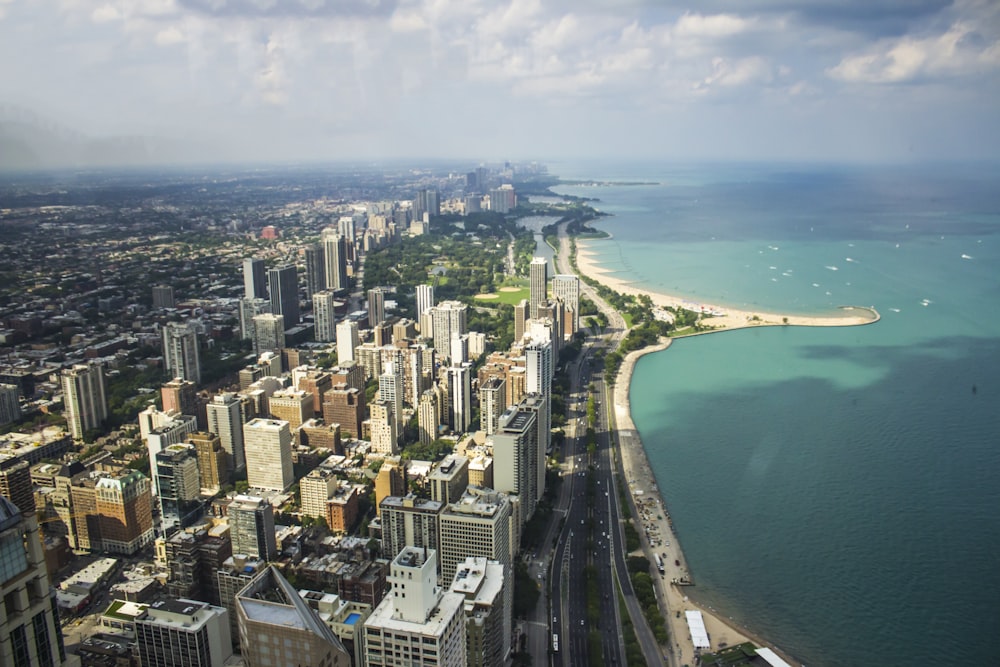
188 81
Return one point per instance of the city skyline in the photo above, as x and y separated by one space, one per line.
196 81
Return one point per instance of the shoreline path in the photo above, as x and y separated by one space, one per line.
652 520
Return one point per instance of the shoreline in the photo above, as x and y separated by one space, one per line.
657 536
722 318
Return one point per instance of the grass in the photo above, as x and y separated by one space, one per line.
510 298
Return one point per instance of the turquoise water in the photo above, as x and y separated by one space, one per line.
835 490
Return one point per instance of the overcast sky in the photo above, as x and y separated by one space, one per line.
196 80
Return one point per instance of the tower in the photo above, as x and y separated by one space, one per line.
376 306
460 389
538 282
492 404
180 351
268 449
425 299
269 330
283 282
335 259
251 527
567 288
183 633
448 317
515 458
84 398
179 486
254 278
384 436
315 269
428 417
325 316
390 390
225 419
347 340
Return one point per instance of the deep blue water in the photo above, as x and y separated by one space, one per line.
835 490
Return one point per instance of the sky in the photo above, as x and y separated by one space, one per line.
105 81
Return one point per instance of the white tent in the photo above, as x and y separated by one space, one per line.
696 625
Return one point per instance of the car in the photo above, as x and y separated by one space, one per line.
581 621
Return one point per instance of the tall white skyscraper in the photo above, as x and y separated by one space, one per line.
180 351
347 340
391 390
254 278
383 427
334 258
326 318
448 317
492 404
460 387
515 458
268 448
376 306
225 419
250 308
459 348
567 288
269 329
538 274
425 299
84 398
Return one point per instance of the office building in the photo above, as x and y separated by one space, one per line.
183 633
123 505
345 406
481 582
347 340
213 462
538 276
460 393
251 527
409 521
249 309
179 486
283 286
277 627
182 396
425 299
448 317
384 436
492 404
449 479
267 446
180 351
567 288
390 481
428 417
315 269
269 332
417 623
232 576
84 397
29 628
225 419
391 390
294 406
254 278
163 296
335 259
15 482
325 316
10 403
515 458
376 306
172 432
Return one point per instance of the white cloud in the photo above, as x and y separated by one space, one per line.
169 36
714 25
105 13
957 52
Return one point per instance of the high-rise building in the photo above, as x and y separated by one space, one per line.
515 458
172 432
449 479
426 201
84 398
428 417
29 628
232 576
448 317
416 623
163 296
522 313
347 340
425 299
277 627
481 582
193 556
335 258
249 309
492 404
391 390
540 368
269 332
384 436
179 486
283 285
294 406
345 406
315 489
376 306
325 316
225 419
123 505
409 521
10 403
213 468
180 351
182 396
15 482
538 275
251 527
459 348
267 445
503 199
254 278
183 633
567 288
315 269
390 481
460 392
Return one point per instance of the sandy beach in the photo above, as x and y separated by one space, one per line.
718 317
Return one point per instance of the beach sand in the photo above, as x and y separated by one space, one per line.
731 318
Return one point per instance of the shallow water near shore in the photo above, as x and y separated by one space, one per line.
834 489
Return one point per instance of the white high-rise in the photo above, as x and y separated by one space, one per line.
325 316
180 351
84 398
347 340
567 288
460 388
425 299
538 274
515 458
225 419
335 259
268 446
391 390
448 317
384 436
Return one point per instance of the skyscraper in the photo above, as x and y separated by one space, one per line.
325 316
428 417
277 627
538 283
249 309
225 419
180 351
283 283
269 329
384 437
123 504
409 521
180 396
376 306
10 405
492 404
460 389
315 269
335 259
213 468
254 278
347 340
84 398
448 317
515 458
482 583
391 390
29 631
179 486
425 299
268 449
163 296
183 633
251 527
567 288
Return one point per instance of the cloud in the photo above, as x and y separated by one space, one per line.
169 36
960 51
717 25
